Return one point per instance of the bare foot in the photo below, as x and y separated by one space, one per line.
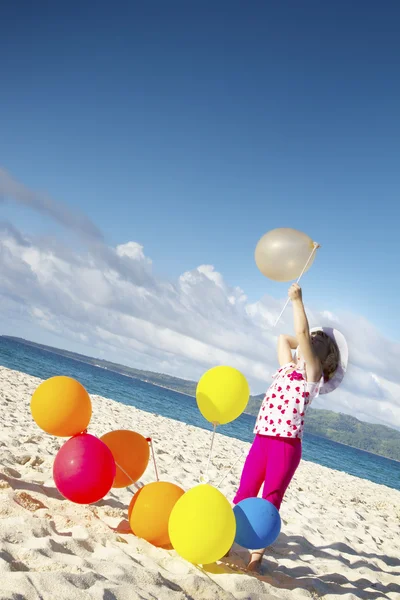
255 561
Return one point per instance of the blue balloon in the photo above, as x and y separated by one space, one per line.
258 523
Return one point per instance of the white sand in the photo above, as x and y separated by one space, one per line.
340 536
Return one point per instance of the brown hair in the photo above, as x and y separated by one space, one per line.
331 363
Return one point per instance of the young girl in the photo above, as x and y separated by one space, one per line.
276 451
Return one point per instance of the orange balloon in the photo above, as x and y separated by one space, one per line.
150 509
131 452
61 406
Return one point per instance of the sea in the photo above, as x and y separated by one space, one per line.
181 407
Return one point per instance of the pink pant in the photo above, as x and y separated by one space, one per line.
272 460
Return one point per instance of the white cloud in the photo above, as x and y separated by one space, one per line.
181 328
110 300
134 251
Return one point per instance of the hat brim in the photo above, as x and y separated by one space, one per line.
340 372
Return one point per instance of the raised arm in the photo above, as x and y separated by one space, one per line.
284 350
302 331
286 343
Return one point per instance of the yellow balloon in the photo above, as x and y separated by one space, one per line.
282 253
202 525
222 394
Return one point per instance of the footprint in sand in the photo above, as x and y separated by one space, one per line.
11 472
28 502
174 566
34 460
22 460
33 439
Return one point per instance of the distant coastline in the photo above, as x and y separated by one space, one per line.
337 427
89 361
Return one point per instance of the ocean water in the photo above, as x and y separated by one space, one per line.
145 396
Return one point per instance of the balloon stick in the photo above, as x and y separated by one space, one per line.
316 246
150 441
128 476
231 468
153 456
204 478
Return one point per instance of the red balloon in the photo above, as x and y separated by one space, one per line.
84 469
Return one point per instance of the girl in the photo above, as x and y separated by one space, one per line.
276 451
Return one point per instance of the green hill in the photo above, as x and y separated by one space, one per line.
337 427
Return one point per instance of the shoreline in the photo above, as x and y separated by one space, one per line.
193 397
223 435
59 352
142 380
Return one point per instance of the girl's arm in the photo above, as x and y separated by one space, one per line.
302 331
293 343
285 349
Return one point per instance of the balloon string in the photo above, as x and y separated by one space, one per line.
300 276
205 478
153 456
231 468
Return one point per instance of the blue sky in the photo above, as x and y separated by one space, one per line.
195 127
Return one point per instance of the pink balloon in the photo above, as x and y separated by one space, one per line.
84 469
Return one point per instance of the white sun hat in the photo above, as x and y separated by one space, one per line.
340 372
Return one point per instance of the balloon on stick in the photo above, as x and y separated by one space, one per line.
84 469
281 254
202 525
61 406
222 394
131 454
284 254
150 510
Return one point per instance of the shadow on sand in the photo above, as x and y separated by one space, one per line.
304 577
52 492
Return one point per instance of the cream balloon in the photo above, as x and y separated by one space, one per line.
282 253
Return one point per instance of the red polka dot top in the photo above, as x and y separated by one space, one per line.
285 404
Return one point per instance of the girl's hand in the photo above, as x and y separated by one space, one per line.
295 292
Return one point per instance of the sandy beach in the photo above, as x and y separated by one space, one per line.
340 535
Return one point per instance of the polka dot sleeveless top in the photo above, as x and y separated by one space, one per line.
285 404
